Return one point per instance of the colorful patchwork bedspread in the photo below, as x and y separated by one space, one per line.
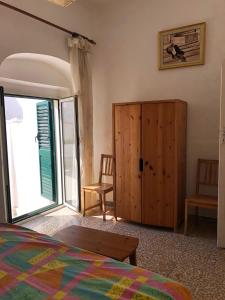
36 267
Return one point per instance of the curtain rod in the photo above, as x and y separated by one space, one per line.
74 34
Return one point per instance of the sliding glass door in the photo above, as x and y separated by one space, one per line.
70 152
31 155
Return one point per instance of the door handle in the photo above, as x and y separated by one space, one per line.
222 135
36 138
141 165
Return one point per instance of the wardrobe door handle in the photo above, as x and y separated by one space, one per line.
141 165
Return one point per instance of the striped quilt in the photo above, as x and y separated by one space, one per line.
34 266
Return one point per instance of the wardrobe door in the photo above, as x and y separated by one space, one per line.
158 152
127 131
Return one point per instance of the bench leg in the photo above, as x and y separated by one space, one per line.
186 218
133 258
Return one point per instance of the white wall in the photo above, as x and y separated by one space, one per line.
37 68
20 33
125 69
36 75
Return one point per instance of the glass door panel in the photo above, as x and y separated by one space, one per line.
70 152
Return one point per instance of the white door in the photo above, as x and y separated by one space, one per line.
221 208
70 152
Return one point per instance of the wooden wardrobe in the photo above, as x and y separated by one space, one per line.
149 141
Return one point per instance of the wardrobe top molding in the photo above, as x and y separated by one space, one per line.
153 102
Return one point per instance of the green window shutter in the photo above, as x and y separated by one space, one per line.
46 149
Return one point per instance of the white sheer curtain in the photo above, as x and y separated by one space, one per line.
79 50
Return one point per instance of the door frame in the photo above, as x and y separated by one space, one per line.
5 165
77 131
221 188
6 180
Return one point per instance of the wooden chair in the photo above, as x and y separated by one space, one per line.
207 176
106 169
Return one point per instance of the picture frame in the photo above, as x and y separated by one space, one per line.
182 47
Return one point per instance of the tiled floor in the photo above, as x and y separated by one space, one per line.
193 260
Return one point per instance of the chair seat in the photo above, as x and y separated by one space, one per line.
99 187
202 201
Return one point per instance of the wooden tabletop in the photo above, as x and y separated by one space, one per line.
105 243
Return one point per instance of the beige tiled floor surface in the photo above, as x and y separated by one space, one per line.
193 260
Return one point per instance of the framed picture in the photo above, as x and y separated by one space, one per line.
182 47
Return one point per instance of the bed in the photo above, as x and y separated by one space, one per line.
34 266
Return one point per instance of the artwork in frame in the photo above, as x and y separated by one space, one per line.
182 47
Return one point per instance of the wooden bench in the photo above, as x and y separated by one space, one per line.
105 243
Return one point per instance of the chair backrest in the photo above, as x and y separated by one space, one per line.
207 173
106 166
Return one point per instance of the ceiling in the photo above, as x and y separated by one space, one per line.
65 3
101 2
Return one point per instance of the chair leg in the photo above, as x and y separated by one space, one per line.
100 199
103 206
84 209
186 218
